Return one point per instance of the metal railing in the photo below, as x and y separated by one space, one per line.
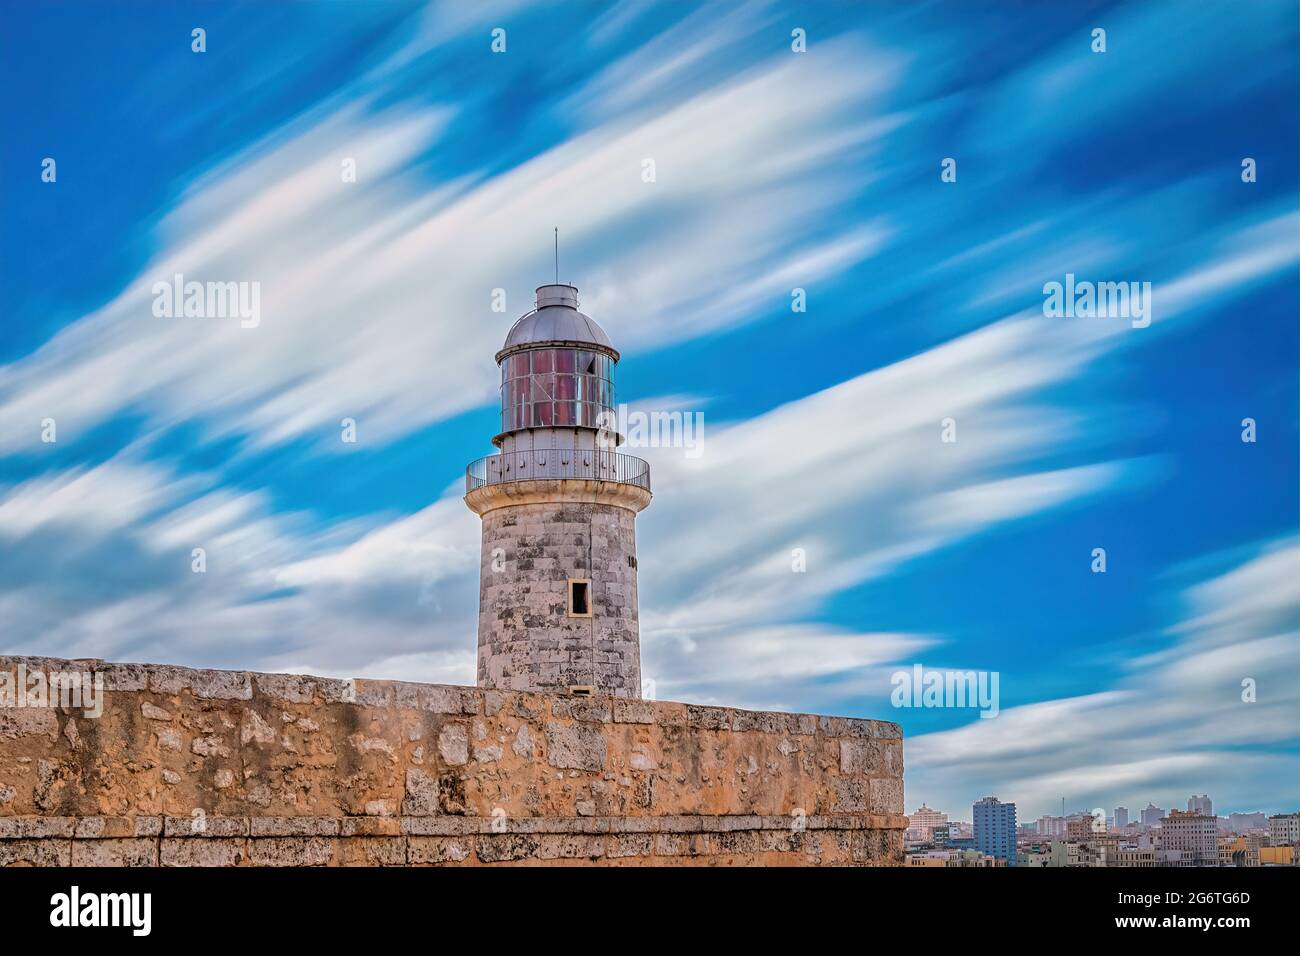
541 463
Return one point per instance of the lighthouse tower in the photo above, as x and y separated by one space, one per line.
557 587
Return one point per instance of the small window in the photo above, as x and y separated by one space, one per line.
579 598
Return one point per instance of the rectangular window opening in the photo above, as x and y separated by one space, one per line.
579 597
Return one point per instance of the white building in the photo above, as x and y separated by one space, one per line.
1051 826
1152 815
1193 836
1284 829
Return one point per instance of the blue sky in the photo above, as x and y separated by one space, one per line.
774 170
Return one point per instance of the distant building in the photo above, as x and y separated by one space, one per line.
1115 854
1152 816
1201 805
953 858
1121 817
1194 837
1241 822
924 816
1239 850
1075 854
1284 829
1078 828
958 830
1278 856
995 829
921 823
1034 856
1050 826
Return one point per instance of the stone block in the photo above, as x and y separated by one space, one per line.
891 761
421 793
205 826
291 851
293 826
221 685
631 711
124 677
589 709
28 722
453 744
17 828
569 846
505 847
577 747
858 756
370 826
115 852
852 795
372 851
630 844
426 850
36 852
683 844
886 795
191 851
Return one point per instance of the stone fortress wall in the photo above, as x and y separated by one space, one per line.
230 768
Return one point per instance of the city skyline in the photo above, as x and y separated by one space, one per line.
1029 818
1195 837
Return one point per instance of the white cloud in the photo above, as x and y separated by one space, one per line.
92 500
375 295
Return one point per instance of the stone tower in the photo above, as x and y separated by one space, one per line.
557 586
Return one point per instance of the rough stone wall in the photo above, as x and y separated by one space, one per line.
526 640
192 767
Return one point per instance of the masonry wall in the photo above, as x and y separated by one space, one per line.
194 767
525 637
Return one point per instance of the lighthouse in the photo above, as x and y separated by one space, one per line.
557 585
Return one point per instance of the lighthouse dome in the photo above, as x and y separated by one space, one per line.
556 321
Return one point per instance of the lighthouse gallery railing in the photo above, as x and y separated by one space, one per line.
540 463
